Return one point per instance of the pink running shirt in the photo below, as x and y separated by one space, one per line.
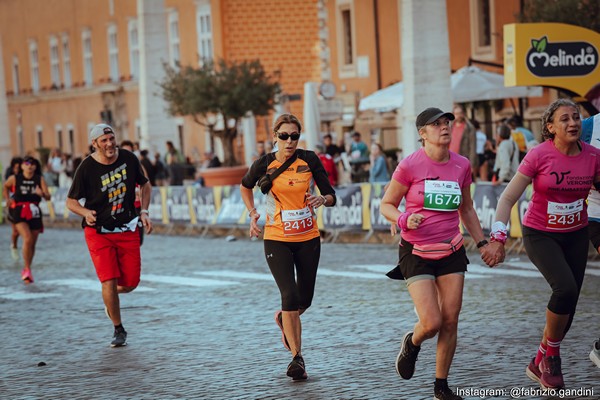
412 172
561 184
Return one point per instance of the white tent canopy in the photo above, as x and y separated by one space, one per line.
468 84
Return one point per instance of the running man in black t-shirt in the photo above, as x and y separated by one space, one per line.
106 180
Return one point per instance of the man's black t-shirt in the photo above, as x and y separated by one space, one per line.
109 189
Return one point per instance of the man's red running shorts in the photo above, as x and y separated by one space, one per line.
115 255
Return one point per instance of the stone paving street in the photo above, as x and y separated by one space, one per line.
201 326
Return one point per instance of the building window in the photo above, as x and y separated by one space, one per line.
346 38
20 139
35 66
40 141
66 53
86 39
15 76
482 29
71 139
59 137
113 53
204 29
54 62
134 49
173 38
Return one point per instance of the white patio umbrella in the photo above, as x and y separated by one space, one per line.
387 99
468 84
475 84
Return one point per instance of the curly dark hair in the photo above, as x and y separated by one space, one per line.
548 116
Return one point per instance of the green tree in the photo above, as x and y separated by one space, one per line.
584 13
229 89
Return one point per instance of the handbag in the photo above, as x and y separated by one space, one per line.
266 182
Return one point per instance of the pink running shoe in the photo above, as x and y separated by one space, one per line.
533 372
279 322
551 377
26 275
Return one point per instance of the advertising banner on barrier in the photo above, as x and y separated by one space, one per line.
357 208
347 213
232 207
203 205
58 209
485 201
377 222
178 204
158 204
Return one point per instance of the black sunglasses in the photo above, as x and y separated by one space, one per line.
286 136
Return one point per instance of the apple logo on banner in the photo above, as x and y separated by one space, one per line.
547 59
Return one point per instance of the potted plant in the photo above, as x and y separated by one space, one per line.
229 90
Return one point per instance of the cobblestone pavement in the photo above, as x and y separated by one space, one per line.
201 327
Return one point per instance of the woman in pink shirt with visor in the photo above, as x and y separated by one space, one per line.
562 169
436 185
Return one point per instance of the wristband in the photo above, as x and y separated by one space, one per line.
402 221
499 232
145 212
482 243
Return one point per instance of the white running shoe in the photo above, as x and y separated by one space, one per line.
595 353
14 253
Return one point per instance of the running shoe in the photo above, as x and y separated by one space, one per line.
533 372
551 377
14 253
119 339
407 357
296 369
26 275
279 321
446 394
595 353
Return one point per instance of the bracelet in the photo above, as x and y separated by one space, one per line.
251 211
145 212
482 243
324 200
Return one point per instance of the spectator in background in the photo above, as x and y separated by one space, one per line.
160 170
328 164
259 151
175 165
210 160
66 172
330 148
268 146
148 166
480 149
358 148
54 167
516 124
507 156
464 138
378 171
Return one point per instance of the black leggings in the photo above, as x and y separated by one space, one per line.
561 258
296 291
